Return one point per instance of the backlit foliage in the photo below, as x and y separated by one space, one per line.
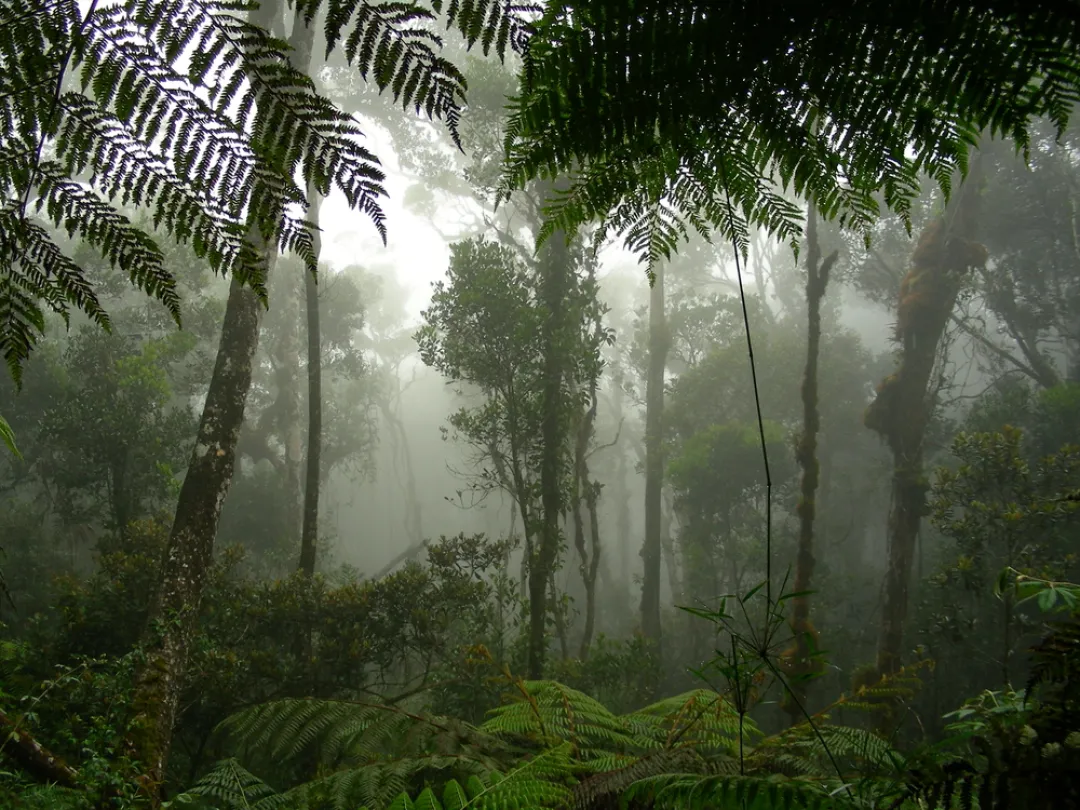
688 114
191 110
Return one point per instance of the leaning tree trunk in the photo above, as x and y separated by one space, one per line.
189 555
191 542
556 286
651 550
904 404
803 663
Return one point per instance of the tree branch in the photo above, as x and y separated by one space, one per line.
33 757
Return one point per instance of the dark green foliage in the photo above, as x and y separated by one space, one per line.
551 747
103 112
688 115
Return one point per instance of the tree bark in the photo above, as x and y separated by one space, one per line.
38 761
399 438
288 383
191 543
622 490
309 533
654 464
555 287
801 665
173 618
302 42
905 403
585 492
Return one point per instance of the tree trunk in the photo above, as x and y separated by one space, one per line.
288 384
667 543
309 534
556 285
399 437
801 665
302 42
191 543
585 491
173 618
622 490
654 464
905 402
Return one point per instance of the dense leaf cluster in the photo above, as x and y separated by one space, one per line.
192 110
692 114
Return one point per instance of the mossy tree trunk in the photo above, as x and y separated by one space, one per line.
309 532
190 552
803 664
556 284
906 400
586 493
189 555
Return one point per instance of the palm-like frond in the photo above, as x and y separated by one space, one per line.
701 719
552 746
550 712
696 114
191 110
693 792
348 731
229 784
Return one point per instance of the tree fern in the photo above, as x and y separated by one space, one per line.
186 108
343 731
551 713
552 746
701 719
688 114
229 784
691 792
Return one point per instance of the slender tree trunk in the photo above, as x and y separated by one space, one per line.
585 492
654 464
288 380
400 437
905 403
622 490
594 567
667 543
556 285
309 535
302 42
801 665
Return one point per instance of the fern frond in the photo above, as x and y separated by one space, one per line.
693 792
548 712
540 782
188 109
378 784
231 785
613 775
833 102
1056 659
806 750
700 719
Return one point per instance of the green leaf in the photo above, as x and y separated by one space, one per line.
7 435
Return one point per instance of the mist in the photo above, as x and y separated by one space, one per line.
523 483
